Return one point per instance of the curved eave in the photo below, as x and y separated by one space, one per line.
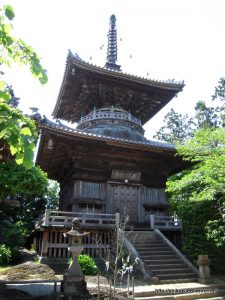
65 142
153 94
67 132
73 60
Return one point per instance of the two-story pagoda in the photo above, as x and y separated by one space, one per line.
106 165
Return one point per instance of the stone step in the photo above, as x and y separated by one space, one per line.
172 271
162 260
155 252
140 240
151 247
176 276
166 257
145 251
179 265
151 262
158 257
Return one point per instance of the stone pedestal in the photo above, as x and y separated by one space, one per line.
204 268
74 287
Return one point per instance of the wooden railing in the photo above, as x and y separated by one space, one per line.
164 222
62 218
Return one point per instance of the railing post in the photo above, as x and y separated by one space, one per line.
180 223
44 247
117 220
152 221
168 222
83 219
47 215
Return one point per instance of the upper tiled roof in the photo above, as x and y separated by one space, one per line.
86 86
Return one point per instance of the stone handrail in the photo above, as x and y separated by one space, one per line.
185 260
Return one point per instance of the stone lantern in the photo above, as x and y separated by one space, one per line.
74 286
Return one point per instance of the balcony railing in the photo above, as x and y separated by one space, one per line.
64 219
109 114
164 222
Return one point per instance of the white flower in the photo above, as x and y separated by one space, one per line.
131 269
107 265
136 260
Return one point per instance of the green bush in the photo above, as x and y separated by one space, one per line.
87 264
5 255
195 216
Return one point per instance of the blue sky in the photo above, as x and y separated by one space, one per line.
176 39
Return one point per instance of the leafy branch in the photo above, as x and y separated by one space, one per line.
16 130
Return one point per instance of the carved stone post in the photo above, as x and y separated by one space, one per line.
152 221
117 220
203 263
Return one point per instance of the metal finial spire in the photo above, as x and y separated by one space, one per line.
112 46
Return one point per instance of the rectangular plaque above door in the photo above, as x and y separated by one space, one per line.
124 174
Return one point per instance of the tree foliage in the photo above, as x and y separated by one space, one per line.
16 50
33 191
177 128
219 92
15 179
27 186
197 194
52 195
16 131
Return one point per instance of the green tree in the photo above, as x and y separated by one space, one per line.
32 191
177 128
206 116
219 92
27 188
16 131
52 195
197 194
18 183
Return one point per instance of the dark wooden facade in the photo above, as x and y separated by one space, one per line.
101 174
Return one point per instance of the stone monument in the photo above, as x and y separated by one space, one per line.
203 263
74 286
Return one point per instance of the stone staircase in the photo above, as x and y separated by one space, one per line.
160 259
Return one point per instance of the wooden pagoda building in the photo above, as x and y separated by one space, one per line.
105 166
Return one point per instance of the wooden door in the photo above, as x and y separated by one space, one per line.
125 201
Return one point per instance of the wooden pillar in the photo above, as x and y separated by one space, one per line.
44 248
